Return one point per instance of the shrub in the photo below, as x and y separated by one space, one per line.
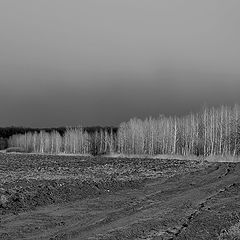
15 149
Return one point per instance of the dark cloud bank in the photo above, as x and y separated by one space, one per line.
101 63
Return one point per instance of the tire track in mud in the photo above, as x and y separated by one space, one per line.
202 205
227 171
221 175
170 233
157 198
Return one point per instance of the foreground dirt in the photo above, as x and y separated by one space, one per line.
62 197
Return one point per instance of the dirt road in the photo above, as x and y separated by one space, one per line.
183 203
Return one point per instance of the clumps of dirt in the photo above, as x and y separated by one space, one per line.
10 201
232 233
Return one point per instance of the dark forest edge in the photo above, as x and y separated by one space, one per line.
210 132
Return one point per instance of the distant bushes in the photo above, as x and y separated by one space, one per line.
213 131
15 150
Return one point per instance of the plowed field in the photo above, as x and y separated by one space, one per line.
74 197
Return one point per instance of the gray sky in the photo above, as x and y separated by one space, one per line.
66 62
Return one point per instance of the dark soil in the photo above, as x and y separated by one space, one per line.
73 197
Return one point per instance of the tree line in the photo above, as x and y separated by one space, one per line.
74 140
212 131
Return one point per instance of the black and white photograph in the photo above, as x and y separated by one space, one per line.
119 119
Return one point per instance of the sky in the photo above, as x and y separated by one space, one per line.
102 62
